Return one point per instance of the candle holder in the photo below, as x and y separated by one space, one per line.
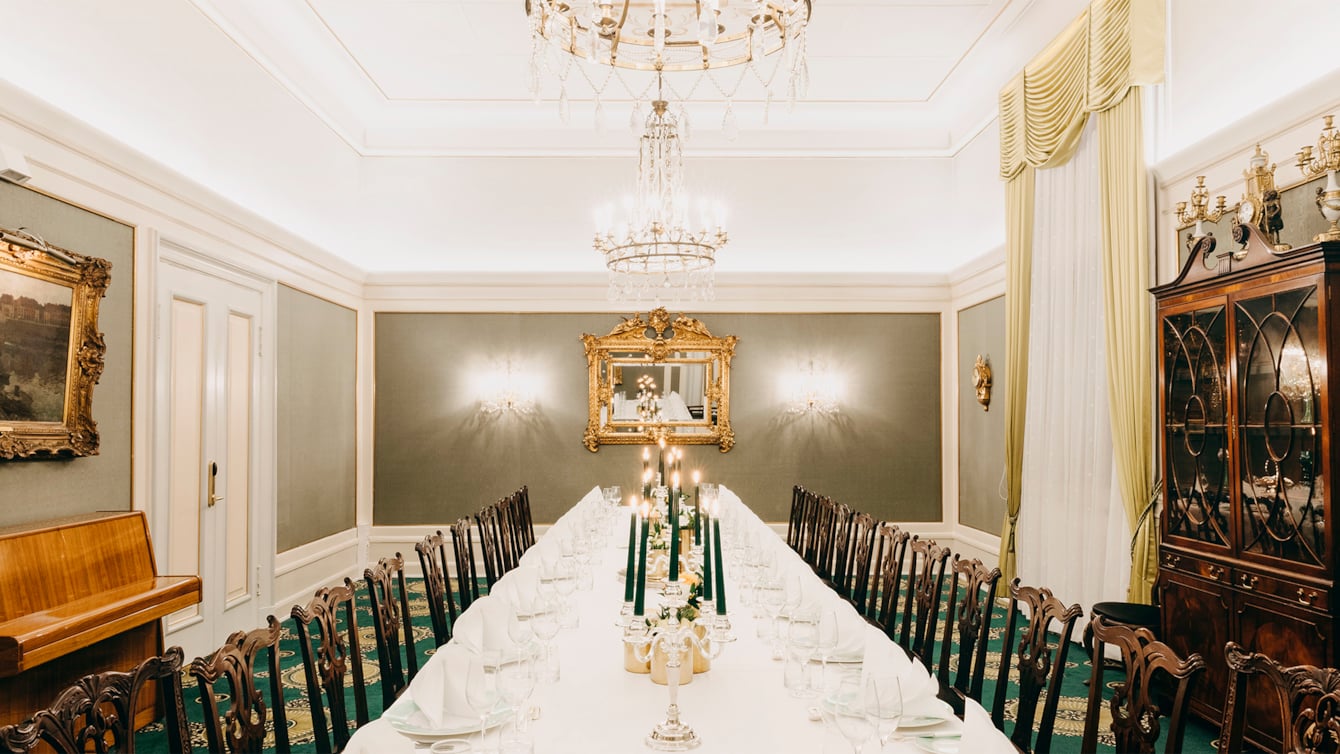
1325 161
1199 211
675 638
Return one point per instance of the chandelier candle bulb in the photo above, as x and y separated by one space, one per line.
640 596
630 574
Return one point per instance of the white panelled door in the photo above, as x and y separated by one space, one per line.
205 510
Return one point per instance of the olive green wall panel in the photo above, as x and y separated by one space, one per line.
438 457
315 406
33 490
981 434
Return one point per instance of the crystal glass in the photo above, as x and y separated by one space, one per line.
516 682
771 596
884 705
481 688
849 713
802 640
829 635
545 623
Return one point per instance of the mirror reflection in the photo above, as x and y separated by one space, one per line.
659 379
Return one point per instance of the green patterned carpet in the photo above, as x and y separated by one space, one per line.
1069 724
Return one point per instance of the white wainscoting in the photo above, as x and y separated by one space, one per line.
301 571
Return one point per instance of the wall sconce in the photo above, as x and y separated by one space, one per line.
507 389
811 390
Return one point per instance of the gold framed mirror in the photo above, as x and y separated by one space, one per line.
658 378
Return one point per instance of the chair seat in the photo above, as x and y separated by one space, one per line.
1130 614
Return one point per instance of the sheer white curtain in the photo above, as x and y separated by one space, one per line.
1073 535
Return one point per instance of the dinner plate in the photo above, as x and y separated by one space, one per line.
938 745
923 713
407 719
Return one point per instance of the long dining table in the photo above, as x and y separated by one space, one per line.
740 705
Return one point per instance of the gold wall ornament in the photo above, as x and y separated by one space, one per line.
981 381
51 353
1260 205
685 397
1325 161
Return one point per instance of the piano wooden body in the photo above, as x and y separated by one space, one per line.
77 596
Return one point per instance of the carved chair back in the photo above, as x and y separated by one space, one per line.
490 544
527 523
463 548
796 521
97 713
432 551
824 532
972 594
889 559
862 547
510 527
1135 702
326 662
1041 663
393 626
925 589
809 535
1308 699
241 728
840 566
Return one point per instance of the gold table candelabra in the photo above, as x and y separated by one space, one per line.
677 639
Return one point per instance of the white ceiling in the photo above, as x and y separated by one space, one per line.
400 135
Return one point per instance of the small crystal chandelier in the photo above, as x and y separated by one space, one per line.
654 254
697 36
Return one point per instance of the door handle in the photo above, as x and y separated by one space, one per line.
213 478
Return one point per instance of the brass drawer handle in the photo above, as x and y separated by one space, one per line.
1171 560
1249 581
1216 572
1307 596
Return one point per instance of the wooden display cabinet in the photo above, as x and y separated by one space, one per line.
1245 404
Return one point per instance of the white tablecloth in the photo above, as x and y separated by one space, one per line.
739 706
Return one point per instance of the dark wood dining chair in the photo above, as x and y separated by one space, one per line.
393 627
509 515
809 539
432 551
97 713
890 554
796 520
972 596
527 522
463 550
824 532
1305 701
490 545
840 568
857 586
1152 670
1041 664
241 727
925 590
328 657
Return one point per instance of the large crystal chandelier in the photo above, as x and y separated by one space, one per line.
701 36
656 253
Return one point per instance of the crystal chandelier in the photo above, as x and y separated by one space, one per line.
654 254
701 36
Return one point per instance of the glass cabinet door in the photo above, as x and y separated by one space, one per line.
1196 425
1280 367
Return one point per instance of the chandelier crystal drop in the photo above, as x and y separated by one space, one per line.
702 36
663 250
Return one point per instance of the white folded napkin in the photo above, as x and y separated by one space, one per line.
519 586
980 735
439 688
884 657
483 627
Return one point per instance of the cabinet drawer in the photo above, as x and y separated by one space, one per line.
1194 565
1291 591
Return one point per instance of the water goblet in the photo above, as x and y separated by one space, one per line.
849 713
516 682
481 689
545 623
802 639
884 705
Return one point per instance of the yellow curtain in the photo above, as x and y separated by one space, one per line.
1018 275
1095 65
1125 261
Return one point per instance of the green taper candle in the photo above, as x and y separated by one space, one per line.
721 572
640 598
674 529
707 559
630 574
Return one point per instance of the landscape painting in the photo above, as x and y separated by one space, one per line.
35 320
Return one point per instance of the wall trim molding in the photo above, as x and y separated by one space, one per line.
302 556
299 572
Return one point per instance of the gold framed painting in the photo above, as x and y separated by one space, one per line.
51 353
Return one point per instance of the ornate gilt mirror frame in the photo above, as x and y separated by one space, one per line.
51 353
685 371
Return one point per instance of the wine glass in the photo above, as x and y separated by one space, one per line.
481 688
565 583
545 623
801 641
516 682
849 712
829 635
884 705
